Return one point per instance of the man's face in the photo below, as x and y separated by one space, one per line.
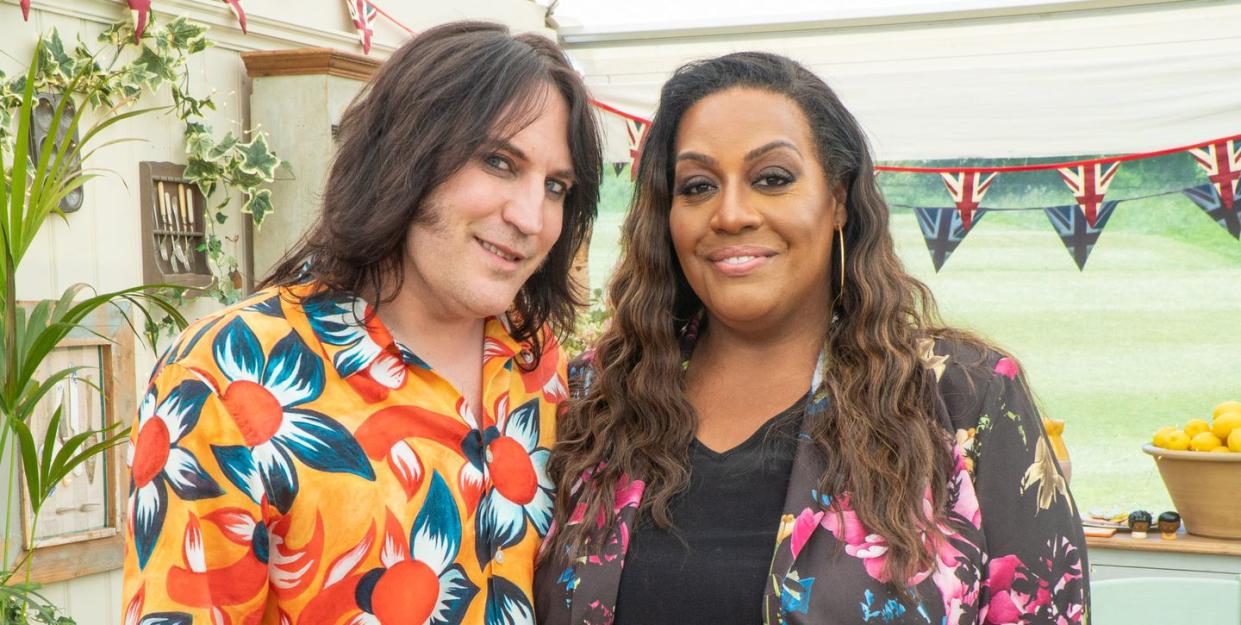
491 224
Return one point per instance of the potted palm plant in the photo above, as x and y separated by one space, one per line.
32 190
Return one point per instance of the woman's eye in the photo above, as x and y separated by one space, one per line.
773 179
556 189
694 186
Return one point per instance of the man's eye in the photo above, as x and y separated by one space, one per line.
495 161
556 188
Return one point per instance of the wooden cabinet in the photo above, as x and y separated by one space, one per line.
1188 556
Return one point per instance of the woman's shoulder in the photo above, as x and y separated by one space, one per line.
969 371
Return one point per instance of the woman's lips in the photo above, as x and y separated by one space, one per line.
740 260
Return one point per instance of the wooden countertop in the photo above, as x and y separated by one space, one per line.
1184 543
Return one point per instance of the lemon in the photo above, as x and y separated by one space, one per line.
1161 436
1178 440
1228 406
1221 449
1194 427
1225 423
1234 440
1204 441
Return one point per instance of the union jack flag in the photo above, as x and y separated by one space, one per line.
1089 184
1226 214
944 229
967 190
363 15
635 130
1078 235
1222 162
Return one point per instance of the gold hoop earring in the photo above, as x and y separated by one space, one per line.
840 232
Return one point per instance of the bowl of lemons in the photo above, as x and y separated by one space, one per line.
1200 463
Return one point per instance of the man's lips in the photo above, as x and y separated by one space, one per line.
502 251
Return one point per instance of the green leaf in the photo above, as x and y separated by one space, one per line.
258 158
56 61
159 66
199 146
258 206
38 391
225 146
13 222
183 34
245 182
134 76
199 171
49 443
66 461
118 35
30 463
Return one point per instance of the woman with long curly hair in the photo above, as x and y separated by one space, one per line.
777 427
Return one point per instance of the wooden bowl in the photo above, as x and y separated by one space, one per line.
1205 488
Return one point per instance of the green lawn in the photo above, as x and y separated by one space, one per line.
1148 335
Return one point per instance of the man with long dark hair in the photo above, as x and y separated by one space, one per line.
364 440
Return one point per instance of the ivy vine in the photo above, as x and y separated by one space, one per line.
137 67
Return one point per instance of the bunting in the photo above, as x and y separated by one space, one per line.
1076 231
1226 214
363 15
142 11
1222 162
967 190
240 13
944 229
1089 183
635 130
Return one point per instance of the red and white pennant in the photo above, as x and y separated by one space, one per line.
1222 162
141 10
967 190
1089 184
635 130
363 15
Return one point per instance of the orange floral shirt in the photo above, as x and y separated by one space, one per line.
293 465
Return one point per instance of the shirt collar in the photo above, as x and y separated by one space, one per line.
352 336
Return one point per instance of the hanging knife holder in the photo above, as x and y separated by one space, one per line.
173 229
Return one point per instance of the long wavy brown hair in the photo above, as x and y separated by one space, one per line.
882 440
422 117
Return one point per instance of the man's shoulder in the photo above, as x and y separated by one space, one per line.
262 317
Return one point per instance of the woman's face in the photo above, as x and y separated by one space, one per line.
753 215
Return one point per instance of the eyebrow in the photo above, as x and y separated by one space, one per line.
778 143
507 146
749 156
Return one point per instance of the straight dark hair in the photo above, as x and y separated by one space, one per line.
426 112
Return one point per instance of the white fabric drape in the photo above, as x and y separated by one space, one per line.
1104 81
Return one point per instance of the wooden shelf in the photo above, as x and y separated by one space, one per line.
302 61
1184 543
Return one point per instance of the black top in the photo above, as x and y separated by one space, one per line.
724 525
